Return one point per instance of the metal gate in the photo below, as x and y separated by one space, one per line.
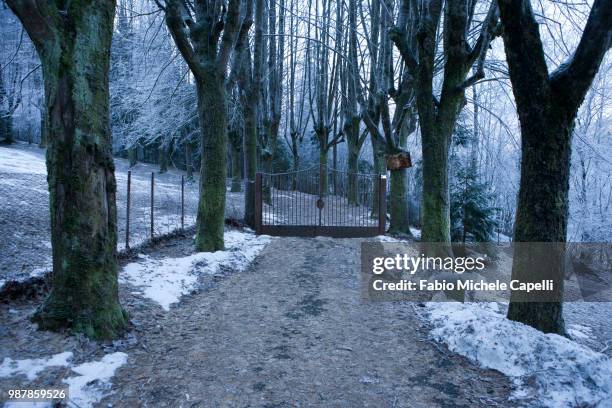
320 201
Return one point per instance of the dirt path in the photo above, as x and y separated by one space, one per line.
294 332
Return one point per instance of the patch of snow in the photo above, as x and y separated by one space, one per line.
31 367
416 232
565 373
93 383
166 280
578 331
19 161
386 238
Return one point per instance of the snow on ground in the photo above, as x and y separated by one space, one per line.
84 390
31 367
25 248
19 161
165 280
563 372
93 381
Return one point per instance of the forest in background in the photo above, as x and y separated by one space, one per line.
154 104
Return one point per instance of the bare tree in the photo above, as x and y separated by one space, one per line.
438 115
204 32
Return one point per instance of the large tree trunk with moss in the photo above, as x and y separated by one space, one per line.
398 203
417 41
541 216
547 105
436 199
205 34
74 48
212 109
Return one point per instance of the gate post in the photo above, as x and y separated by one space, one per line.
127 211
152 201
258 203
382 204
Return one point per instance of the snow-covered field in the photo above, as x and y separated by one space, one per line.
25 244
547 370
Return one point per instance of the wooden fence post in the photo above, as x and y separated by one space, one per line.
152 200
182 202
127 213
258 203
382 205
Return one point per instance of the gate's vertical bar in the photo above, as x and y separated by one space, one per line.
127 211
258 203
182 202
382 204
152 200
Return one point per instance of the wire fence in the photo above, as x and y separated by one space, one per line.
150 207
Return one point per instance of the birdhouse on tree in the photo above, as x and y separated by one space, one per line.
398 161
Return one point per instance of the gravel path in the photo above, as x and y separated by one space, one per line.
293 331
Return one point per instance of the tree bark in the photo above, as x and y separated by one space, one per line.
546 106
236 173
212 110
206 39
74 48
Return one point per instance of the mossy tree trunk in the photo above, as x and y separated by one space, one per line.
417 42
74 48
547 105
205 35
212 109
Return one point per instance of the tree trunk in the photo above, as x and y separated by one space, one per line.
44 129
133 156
541 216
189 160
353 169
398 203
436 200
250 162
6 117
379 168
547 105
212 107
236 174
163 158
75 60
323 179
